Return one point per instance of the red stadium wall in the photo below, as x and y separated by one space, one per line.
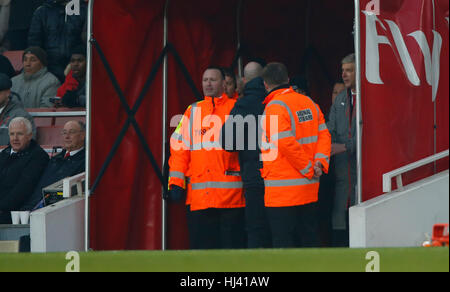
310 37
397 98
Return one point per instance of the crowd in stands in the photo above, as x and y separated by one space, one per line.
248 203
42 69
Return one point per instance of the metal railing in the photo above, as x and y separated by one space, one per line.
387 177
57 114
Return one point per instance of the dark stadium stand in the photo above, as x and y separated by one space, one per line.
50 135
15 57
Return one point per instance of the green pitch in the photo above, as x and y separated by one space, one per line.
271 260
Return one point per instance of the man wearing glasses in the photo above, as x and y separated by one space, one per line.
70 162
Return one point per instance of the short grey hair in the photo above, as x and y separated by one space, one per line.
82 126
349 59
24 121
252 70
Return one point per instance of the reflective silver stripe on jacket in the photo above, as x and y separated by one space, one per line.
323 127
217 185
178 137
283 104
177 174
306 169
321 155
308 140
290 182
282 135
191 124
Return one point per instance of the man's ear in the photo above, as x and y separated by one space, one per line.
266 86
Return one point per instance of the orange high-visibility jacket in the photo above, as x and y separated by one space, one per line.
290 148
214 174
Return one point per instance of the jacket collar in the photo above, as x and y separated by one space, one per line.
283 89
24 152
217 100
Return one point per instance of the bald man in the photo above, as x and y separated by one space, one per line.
70 162
250 106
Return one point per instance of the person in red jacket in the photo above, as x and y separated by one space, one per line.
295 152
73 91
215 196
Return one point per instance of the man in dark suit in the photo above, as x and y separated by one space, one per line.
70 162
21 165
250 106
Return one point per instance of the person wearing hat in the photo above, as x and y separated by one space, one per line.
35 85
9 109
73 91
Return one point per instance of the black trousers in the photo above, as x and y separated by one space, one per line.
217 229
256 223
294 226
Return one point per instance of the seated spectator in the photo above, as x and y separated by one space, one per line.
73 92
68 163
21 165
6 67
35 85
57 33
10 108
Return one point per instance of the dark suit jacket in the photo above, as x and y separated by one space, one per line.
249 105
57 169
19 174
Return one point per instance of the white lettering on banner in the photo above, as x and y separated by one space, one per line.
432 63
373 40
73 8
404 53
373 7
431 58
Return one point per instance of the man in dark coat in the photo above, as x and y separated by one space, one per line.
70 162
57 33
21 165
73 91
342 127
250 106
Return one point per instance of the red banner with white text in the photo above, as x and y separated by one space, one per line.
404 88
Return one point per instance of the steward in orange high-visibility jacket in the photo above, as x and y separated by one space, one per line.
296 143
214 174
302 139
215 186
